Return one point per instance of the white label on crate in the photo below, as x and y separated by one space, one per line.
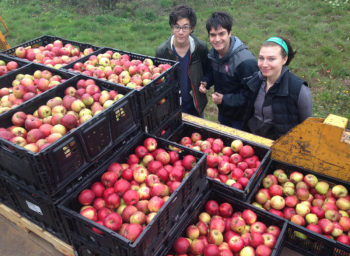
34 207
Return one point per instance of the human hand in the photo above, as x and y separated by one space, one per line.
202 87
217 98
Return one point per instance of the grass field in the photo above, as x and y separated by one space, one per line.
318 29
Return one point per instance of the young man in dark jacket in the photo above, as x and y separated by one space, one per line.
232 65
192 54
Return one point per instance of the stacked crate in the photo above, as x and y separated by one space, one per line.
299 238
39 180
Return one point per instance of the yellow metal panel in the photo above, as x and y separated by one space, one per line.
3 43
225 129
318 145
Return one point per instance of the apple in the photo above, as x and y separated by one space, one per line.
236 145
140 174
344 222
315 228
277 202
263 250
332 215
344 239
296 177
225 210
18 118
326 225
189 161
212 207
155 203
249 216
192 232
258 227
150 144
181 245
302 209
343 203
218 223
86 197
274 230
113 221
108 179
238 224
131 197
256 239
215 237
89 212
311 180
302 194
236 243
138 217
247 251
339 191
322 187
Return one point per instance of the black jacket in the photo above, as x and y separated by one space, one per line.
197 67
284 95
229 76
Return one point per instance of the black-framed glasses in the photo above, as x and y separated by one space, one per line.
184 28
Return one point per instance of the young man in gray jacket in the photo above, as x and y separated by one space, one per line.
231 66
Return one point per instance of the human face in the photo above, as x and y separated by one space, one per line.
181 35
220 40
270 62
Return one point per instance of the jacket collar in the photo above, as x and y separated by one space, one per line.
192 43
280 87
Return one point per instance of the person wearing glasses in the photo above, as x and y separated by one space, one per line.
191 53
279 99
232 65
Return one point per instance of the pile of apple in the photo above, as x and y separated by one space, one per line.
120 68
221 231
128 195
233 165
54 54
26 86
307 201
7 67
59 115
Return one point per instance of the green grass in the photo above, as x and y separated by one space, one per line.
318 29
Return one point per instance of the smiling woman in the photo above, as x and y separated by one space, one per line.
279 100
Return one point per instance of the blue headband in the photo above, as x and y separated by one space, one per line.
280 42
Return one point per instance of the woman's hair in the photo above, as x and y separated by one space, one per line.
291 52
182 12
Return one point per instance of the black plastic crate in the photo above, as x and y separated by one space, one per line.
263 152
300 238
160 110
341 249
7 59
166 128
219 195
45 40
6 80
156 231
52 168
85 249
6 195
152 90
39 210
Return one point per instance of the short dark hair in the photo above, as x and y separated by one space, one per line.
182 12
291 52
219 19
